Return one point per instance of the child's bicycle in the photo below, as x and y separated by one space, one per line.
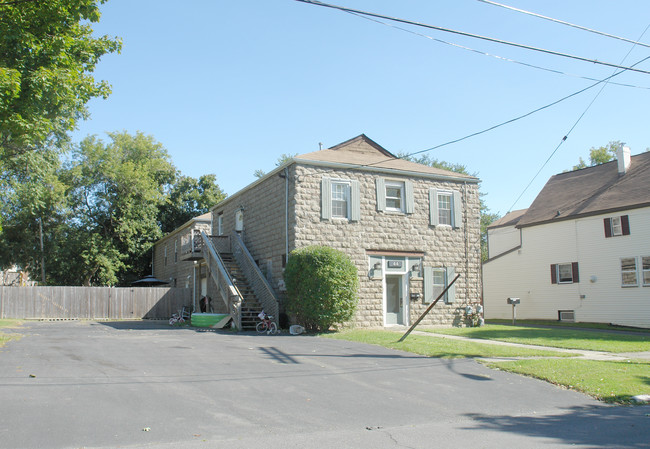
266 325
176 319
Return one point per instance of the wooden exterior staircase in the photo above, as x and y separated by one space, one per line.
240 283
250 306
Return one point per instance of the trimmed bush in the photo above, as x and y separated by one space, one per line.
322 285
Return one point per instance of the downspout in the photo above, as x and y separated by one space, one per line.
286 212
466 223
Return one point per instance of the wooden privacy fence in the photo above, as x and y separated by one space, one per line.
115 303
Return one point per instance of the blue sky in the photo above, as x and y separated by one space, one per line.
229 86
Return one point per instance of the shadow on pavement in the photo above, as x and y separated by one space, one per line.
594 427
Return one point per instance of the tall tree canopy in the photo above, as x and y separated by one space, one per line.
99 214
47 57
116 190
188 198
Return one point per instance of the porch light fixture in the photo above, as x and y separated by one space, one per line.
377 266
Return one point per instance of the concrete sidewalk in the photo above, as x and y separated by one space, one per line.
582 353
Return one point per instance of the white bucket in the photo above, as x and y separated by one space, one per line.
296 329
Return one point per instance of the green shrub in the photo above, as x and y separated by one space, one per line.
322 286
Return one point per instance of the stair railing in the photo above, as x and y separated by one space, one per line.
229 292
256 279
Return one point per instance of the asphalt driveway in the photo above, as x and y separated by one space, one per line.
147 385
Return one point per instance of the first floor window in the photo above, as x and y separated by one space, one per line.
628 272
435 281
646 271
565 273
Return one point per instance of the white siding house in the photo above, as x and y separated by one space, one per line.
580 252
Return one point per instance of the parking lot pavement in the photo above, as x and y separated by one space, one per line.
147 385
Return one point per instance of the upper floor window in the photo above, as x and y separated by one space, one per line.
445 208
565 273
175 251
165 256
220 223
340 199
615 226
395 196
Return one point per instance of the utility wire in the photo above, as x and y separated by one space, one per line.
512 120
574 125
476 36
480 52
565 23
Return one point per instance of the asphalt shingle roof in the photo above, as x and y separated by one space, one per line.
591 191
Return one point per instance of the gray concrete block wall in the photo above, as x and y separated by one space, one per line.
264 221
389 231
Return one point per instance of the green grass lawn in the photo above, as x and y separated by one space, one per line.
614 382
439 347
609 381
573 338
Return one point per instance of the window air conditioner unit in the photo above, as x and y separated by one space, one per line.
566 315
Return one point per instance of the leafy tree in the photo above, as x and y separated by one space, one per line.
32 206
487 217
188 198
600 155
115 191
47 56
281 160
322 285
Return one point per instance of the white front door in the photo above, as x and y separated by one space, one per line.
395 312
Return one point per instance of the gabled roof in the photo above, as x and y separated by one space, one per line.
591 191
362 152
509 219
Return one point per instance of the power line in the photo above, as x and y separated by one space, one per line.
574 125
480 52
565 23
476 36
512 120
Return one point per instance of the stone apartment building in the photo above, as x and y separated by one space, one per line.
168 263
409 228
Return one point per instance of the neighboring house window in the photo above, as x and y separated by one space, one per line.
628 272
340 199
220 224
395 196
165 257
445 208
176 251
646 271
565 273
435 281
616 226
